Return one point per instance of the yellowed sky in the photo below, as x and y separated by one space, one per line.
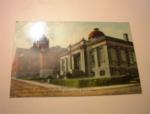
65 33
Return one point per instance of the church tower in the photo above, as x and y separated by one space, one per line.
43 45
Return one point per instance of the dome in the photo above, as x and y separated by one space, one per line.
43 38
95 34
43 42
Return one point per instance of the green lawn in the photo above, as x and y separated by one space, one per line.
91 81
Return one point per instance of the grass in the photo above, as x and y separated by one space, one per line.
88 81
91 82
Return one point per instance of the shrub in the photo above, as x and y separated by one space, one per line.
91 82
68 82
76 74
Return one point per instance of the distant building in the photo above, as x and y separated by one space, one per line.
38 61
99 56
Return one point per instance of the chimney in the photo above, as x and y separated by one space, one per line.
125 36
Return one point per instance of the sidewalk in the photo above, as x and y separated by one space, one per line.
71 88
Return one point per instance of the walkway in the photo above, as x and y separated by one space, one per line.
25 88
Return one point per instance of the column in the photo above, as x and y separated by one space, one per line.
82 60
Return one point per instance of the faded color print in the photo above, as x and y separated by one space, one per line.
73 59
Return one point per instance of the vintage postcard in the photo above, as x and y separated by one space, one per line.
73 59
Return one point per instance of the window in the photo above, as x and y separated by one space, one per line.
102 72
66 64
115 72
123 55
92 73
100 55
77 61
132 57
113 53
63 65
71 61
92 58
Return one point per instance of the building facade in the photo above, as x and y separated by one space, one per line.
37 61
99 56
